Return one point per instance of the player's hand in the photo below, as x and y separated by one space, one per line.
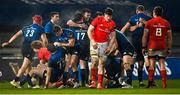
94 44
142 20
57 44
140 24
5 44
83 26
144 51
107 51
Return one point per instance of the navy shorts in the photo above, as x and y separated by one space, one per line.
27 51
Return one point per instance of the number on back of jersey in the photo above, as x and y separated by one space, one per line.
30 33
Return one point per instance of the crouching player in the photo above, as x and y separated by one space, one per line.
127 51
56 64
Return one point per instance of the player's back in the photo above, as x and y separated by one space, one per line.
121 39
158 28
32 32
56 58
134 20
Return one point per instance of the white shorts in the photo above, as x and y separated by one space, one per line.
99 52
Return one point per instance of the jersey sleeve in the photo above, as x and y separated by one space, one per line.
131 21
42 30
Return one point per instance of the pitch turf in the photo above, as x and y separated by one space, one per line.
173 88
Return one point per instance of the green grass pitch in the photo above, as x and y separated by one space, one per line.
173 88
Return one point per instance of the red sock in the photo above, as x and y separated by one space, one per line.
164 75
100 78
93 73
58 84
150 74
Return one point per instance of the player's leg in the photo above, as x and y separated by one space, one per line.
73 62
163 72
84 56
26 63
93 69
127 62
151 72
162 55
140 59
102 60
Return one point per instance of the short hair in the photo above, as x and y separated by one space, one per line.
57 28
140 8
51 48
85 10
158 10
53 13
108 11
98 13
37 44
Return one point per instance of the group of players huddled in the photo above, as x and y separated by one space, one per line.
93 48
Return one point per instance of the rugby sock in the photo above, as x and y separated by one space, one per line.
100 78
150 74
129 75
16 79
83 76
29 80
164 80
140 75
93 74
147 68
65 77
75 74
23 80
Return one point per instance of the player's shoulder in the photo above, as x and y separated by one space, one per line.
99 18
165 21
49 23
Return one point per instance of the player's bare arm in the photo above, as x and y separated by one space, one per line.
71 43
90 30
125 27
112 41
144 39
74 24
14 37
44 39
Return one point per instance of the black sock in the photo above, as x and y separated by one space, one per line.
129 75
29 80
75 76
23 80
83 76
16 79
140 75
147 68
65 77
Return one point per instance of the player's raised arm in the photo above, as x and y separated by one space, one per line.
14 37
44 39
125 27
